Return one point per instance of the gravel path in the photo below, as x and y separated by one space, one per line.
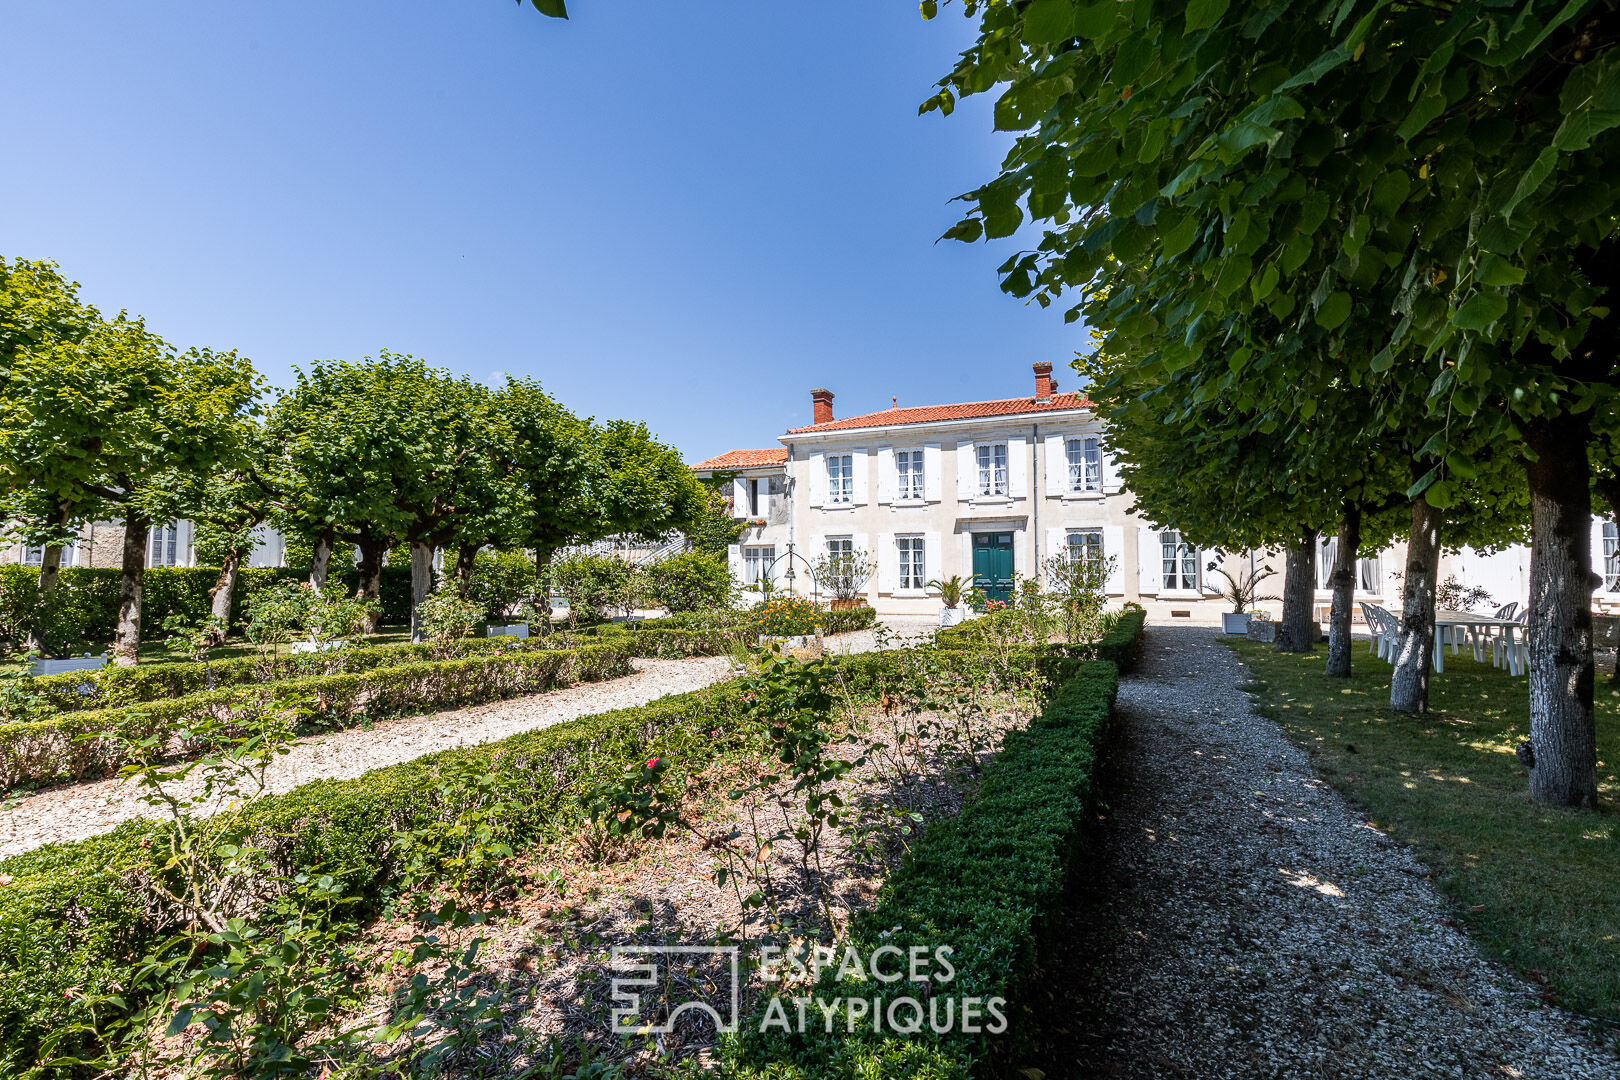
1241 919
74 811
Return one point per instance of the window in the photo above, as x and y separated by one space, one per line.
759 496
1611 557
913 573
1327 552
908 472
1368 579
35 556
1180 563
1085 465
992 468
840 547
757 563
840 478
1085 545
163 547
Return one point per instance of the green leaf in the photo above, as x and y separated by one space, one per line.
1334 310
1317 68
1480 311
1095 20
1205 13
1266 282
1497 271
1047 21
1422 114
557 9
1533 178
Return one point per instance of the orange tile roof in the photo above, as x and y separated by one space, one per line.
969 410
744 459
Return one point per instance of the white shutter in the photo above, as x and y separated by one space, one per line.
931 466
861 543
1057 465
739 497
182 551
1597 549
1057 542
858 462
734 562
967 471
1017 467
888 560
817 479
886 477
1205 557
1114 546
1110 472
931 556
1149 561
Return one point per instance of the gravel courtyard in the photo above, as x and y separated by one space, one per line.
1235 917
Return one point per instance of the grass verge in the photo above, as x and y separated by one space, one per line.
1538 887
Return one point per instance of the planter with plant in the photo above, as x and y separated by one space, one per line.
953 594
1242 590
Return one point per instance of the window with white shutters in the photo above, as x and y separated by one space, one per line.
1180 562
1085 546
757 563
992 468
1085 465
163 547
840 479
908 475
913 572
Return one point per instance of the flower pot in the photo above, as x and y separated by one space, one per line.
1262 630
950 616
798 646
1235 622
846 605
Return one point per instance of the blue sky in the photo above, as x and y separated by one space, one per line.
688 214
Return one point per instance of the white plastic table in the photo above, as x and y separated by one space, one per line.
1477 628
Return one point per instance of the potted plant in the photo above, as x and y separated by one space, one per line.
1243 590
1260 627
953 595
845 577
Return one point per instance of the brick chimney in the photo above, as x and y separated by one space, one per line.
822 399
1043 382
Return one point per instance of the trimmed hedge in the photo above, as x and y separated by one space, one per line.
84 608
66 747
1118 646
111 686
981 882
75 915
832 622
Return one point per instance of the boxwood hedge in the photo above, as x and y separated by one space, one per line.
76 745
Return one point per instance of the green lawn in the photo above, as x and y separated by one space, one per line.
1539 888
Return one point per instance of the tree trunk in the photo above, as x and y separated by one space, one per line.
371 565
126 648
465 557
542 586
224 590
1409 684
1563 736
50 567
1298 627
320 562
421 583
1344 592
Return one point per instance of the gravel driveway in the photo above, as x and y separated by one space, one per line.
1237 918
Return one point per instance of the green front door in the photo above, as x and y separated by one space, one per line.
993 564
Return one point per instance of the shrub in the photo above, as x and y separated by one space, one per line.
690 582
446 620
594 584
92 742
783 615
505 582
